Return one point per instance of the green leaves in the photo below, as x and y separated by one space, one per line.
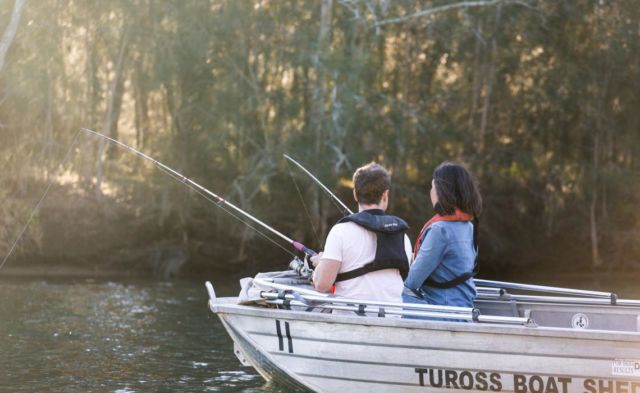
518 91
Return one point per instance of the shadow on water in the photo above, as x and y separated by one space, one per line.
79 335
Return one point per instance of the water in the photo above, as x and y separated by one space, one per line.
102 336
83 335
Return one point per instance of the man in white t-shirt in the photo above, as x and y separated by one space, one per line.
367 254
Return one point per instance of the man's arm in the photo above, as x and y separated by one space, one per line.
329 261
325 274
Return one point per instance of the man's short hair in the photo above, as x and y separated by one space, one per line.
370 182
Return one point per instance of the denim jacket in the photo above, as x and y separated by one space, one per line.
446 252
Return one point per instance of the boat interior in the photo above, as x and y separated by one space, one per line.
559 307
497 302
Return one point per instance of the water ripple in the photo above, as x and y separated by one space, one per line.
79 336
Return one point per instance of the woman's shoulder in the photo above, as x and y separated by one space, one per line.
447 228
451 224
438 229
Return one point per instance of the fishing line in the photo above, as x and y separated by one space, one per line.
192 185
342 207
218 204
180 177
337 206
313 227
35 209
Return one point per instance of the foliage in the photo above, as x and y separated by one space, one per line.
538 98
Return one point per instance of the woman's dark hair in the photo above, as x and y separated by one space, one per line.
456 188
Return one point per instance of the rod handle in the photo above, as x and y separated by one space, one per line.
301 247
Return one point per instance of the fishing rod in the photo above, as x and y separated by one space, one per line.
345 209
220 201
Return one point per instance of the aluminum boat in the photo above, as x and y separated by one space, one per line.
518 338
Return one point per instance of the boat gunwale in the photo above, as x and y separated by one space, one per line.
609 307
229 305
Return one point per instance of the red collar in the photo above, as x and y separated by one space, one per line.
458 215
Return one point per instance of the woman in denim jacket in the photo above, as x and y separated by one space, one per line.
446 250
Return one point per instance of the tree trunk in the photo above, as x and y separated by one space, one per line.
110 117
475 91
490 80
599 152
317 115
595 252
89 110
10 32
141 108
48 124
118 92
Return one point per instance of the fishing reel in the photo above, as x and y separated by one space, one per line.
301 267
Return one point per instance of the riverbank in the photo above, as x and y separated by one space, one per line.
115 237
68 271
603 281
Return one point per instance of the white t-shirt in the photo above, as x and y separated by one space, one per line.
355 246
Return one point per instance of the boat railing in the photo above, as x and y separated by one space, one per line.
490 291
317 296
288 296
505 296
497 290
543 289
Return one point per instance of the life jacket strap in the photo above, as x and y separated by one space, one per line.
361 271
452 283
371 267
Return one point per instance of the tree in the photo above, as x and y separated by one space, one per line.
10 31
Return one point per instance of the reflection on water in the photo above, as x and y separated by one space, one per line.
139 336
86 335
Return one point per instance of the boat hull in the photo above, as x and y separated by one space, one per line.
334 353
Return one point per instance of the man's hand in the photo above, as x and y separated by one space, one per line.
316 259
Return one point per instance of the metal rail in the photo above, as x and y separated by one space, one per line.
371 310
484 293
364 309
559 299
310 299
268 282
340 300
492 291
543 288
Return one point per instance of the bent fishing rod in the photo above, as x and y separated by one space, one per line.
220 201
345 210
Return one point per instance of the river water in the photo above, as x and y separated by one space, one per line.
87 335
84 335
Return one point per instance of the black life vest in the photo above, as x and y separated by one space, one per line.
390 251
